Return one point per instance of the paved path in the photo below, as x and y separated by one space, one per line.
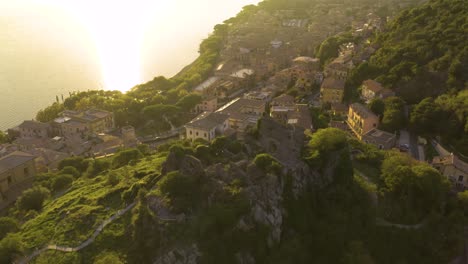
383 222
82 245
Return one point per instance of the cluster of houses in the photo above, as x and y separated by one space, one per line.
231 104
242 113
90 133
38 147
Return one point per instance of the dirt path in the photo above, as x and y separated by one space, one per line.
82 245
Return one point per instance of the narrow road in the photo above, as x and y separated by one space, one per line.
86 243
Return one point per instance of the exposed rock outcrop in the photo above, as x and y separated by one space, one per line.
186 164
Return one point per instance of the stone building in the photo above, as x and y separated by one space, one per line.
454 169
34 129
380 139
207 126
17 171
332 90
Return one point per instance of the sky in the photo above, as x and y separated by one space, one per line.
138 39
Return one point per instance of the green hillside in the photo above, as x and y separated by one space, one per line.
226 200
423 52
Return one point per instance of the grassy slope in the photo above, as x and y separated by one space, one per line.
73 217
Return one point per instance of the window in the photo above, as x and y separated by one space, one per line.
190 132
460 178
10 180
205 135
196 133
26 171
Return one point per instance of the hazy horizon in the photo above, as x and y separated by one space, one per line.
52 47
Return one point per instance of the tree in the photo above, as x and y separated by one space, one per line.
183 191
70 171
157 112
8 225
411 190
124 157
79 163
11 248
3 137
328 140
97 166
61 182
33 199
423 117
267 163
50 113
189 102
377 106
394 115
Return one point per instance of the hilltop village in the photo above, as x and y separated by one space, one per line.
258 75
295 119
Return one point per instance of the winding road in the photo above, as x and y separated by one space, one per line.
82 245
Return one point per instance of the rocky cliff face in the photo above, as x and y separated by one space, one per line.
264 190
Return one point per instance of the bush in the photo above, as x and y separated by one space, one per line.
183 191
44 180
203 153
124 157
144 149
78 163
71 171
62 182
267 163
97 166
11 248
33 199
8 225
178 150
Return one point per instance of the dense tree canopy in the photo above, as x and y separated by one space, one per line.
394 117
411 190
423 53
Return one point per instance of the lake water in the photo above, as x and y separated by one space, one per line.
44 53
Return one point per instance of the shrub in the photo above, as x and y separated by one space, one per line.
44 180
267 163
33 199
71 171
78 163
182 190
11 248
97 166
144 149
178 150
203 153
124 157
62 182
8 225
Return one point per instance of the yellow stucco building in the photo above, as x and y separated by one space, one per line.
361 120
